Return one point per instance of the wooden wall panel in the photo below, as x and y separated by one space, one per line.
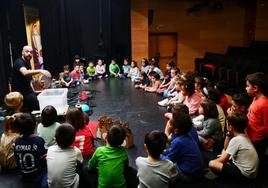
139 30
198 33
261 31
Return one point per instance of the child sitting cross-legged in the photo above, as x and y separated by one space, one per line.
29 151
62 159
8 138
183 149
240 160
152 171
48 126
110 160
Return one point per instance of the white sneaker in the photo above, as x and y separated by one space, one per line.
163 102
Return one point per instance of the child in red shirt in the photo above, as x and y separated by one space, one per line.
83 139
257 129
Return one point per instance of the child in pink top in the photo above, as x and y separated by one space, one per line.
192 98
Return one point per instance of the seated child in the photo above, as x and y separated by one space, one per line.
83 139
76 74
81 71
153 67
62 159
177 99
114 69
152 171
91 71
144 81
29 151
178 108
8 138
134 72
126 68
100 69
183 150
66 78
240 160
14 102
209 131
240 103
111 160
192 98
48 126
155 80
145 66
167 78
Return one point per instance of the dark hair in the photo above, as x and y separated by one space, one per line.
66 67
26 123
190 75
238 120
221 86
144 75
9 125
127 59
116 135
65 135
177 71
48 116
155 75
182 122
155 142
135 63
180 108
171 63
153 63
201 81
257 79
86 118
211 94
210 109
146 62
189 87
242 99
77 57
75 117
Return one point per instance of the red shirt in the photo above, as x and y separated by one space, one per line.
258 119
75 75
83 142
224 103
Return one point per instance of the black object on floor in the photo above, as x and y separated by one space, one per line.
119 99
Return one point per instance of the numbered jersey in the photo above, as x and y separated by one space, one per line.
29 153
83 141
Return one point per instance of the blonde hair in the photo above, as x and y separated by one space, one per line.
14 100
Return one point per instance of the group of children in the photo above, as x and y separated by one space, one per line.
199 119
237 130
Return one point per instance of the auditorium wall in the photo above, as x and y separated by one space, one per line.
198 31
261 33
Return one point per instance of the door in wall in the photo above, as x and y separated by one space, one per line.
164 47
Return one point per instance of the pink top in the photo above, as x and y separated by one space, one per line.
193 102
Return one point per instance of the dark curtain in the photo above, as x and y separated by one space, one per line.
92 29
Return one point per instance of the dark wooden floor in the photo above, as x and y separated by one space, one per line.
119 99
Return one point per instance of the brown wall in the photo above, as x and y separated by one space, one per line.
200 32
139 30
261 32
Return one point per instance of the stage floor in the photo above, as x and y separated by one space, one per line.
120 100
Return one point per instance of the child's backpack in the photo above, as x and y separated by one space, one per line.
7 157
